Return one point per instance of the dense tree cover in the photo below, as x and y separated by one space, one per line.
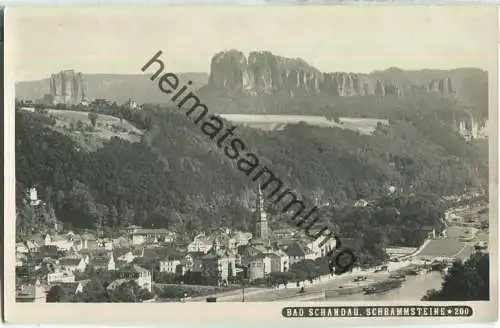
301 271
177 178
179 292
309 269
465 281
95 292
96 289
389 107
56 295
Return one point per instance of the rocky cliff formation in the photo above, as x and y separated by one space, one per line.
264 73
470 128
67 87
114 87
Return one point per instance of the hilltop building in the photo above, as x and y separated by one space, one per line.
33 197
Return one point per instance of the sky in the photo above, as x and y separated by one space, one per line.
120 40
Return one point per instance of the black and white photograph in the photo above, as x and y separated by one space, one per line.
300 154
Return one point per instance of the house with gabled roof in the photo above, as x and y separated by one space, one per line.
60 276
106 244
219 264
21 258
141 276
193 261
132 228
201 243
123 254
72 264
171 263
103 262
319 246
259 266
141 236
250 250
35 241
361 203
60 241
156 253
280 261
21 248
241 238
86 241
49 251
138 251
71 289
430 230
297 252
30 294
116 283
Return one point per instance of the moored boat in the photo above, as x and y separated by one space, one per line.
383 286
399 276
438 266
413 272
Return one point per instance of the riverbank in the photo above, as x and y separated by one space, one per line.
412 289
319 285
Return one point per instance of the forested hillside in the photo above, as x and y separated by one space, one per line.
176 177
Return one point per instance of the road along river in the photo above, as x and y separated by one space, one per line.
412 289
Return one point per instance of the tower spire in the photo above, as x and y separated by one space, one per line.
260 228
260 201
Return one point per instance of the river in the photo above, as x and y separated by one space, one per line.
413 289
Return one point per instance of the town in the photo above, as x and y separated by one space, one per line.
61 258
152 265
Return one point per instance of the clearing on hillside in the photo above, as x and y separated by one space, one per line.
278 122
77 125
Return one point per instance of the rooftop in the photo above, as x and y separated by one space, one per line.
116 283
99 261
297 249
120 251
69 261
150 231
196 255
140 269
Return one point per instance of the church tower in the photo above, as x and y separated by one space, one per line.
260 223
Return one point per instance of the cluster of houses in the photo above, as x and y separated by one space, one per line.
221 256
56 259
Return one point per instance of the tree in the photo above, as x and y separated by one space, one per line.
278 278
120 116
146 177
144 294
93 118
79 125
141 217
40 108
126 292
113 216
468 281
56 295
94 292
48 100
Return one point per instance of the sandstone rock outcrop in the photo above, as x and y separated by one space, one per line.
262 72
443 86
67 87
